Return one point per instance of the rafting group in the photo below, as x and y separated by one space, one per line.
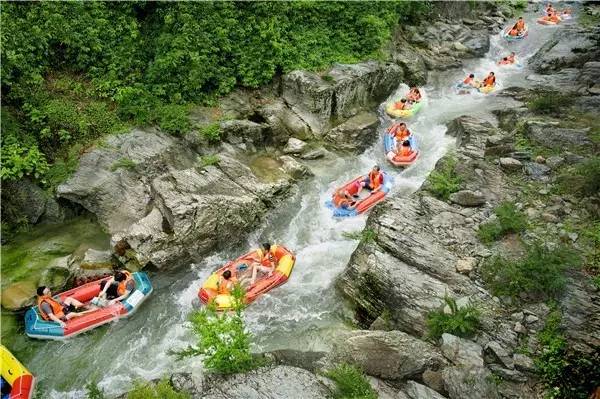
553 16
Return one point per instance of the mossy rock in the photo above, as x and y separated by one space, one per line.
19 295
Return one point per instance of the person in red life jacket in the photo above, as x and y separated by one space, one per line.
490 80
470 81
265 261
56 310
117 288
374 180
402 104
399 131
226 283
414 95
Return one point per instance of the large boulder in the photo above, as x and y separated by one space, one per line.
391 355
414 390
279 382
25 202
356 134
19 295
461 351
548 134
571 47
149 190
469 383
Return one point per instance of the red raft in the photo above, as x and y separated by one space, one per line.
242 267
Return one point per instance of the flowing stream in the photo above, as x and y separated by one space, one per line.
307 312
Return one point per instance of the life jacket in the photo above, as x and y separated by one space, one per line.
122 287
489 80
57 307
269 258
225 286
337 201
513 32
468 80
405 151
555 18
354 188
399 105
375 179
520 25
402 134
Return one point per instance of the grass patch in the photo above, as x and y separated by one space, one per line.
539 274
327 78
93 391
211 132
160 390
550 103
365 236
462 322
208 160
582 179
444 181
351 383
123 163
509 220
174 119
588 20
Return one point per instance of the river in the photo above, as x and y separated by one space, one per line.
304 314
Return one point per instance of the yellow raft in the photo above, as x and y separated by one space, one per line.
16 376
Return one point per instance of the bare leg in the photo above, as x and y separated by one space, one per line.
74 302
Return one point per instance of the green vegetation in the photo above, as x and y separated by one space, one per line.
160 390
208 160
73 74
351 383
509 220
211 132
583 179
367 235
566 374
444 181
550 103
539 274
223 340
588 20
93 391
123 163
462 322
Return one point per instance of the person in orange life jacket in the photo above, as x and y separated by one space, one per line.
470 81
489 80
402 104
117 287
226 283
55 309
374 180
414 95
520 26
404 149
399 131
344 200
265 262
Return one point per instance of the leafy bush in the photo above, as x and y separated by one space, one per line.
538 275
21 160
550 103
509 220
223 341
351 383
583 180
462 322
211 132
161 390
444 181
366 235
208 160
124 163
174 119
93 391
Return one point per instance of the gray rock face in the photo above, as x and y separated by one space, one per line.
498 354
567 48
350 89
469 383
523 363
147 188
588 81
415 390
356 134
294 146
25 200
390 355
237 131
468 198
537 171
283 122
550 135
461 352
279 382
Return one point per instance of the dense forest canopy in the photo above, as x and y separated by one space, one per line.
72 72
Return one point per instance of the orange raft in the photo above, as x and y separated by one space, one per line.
363 204
284 259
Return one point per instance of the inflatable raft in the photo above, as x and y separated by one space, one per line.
389 145
487 89
546 21
366 200
403 113
285 261
37 327
510 38
17 382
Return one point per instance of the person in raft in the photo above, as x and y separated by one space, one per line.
117 288
374 181
344 200
549 9
519 28
399 131
265 261
489 81
226 283
56 310
402 104
414 95
403 149
470 81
